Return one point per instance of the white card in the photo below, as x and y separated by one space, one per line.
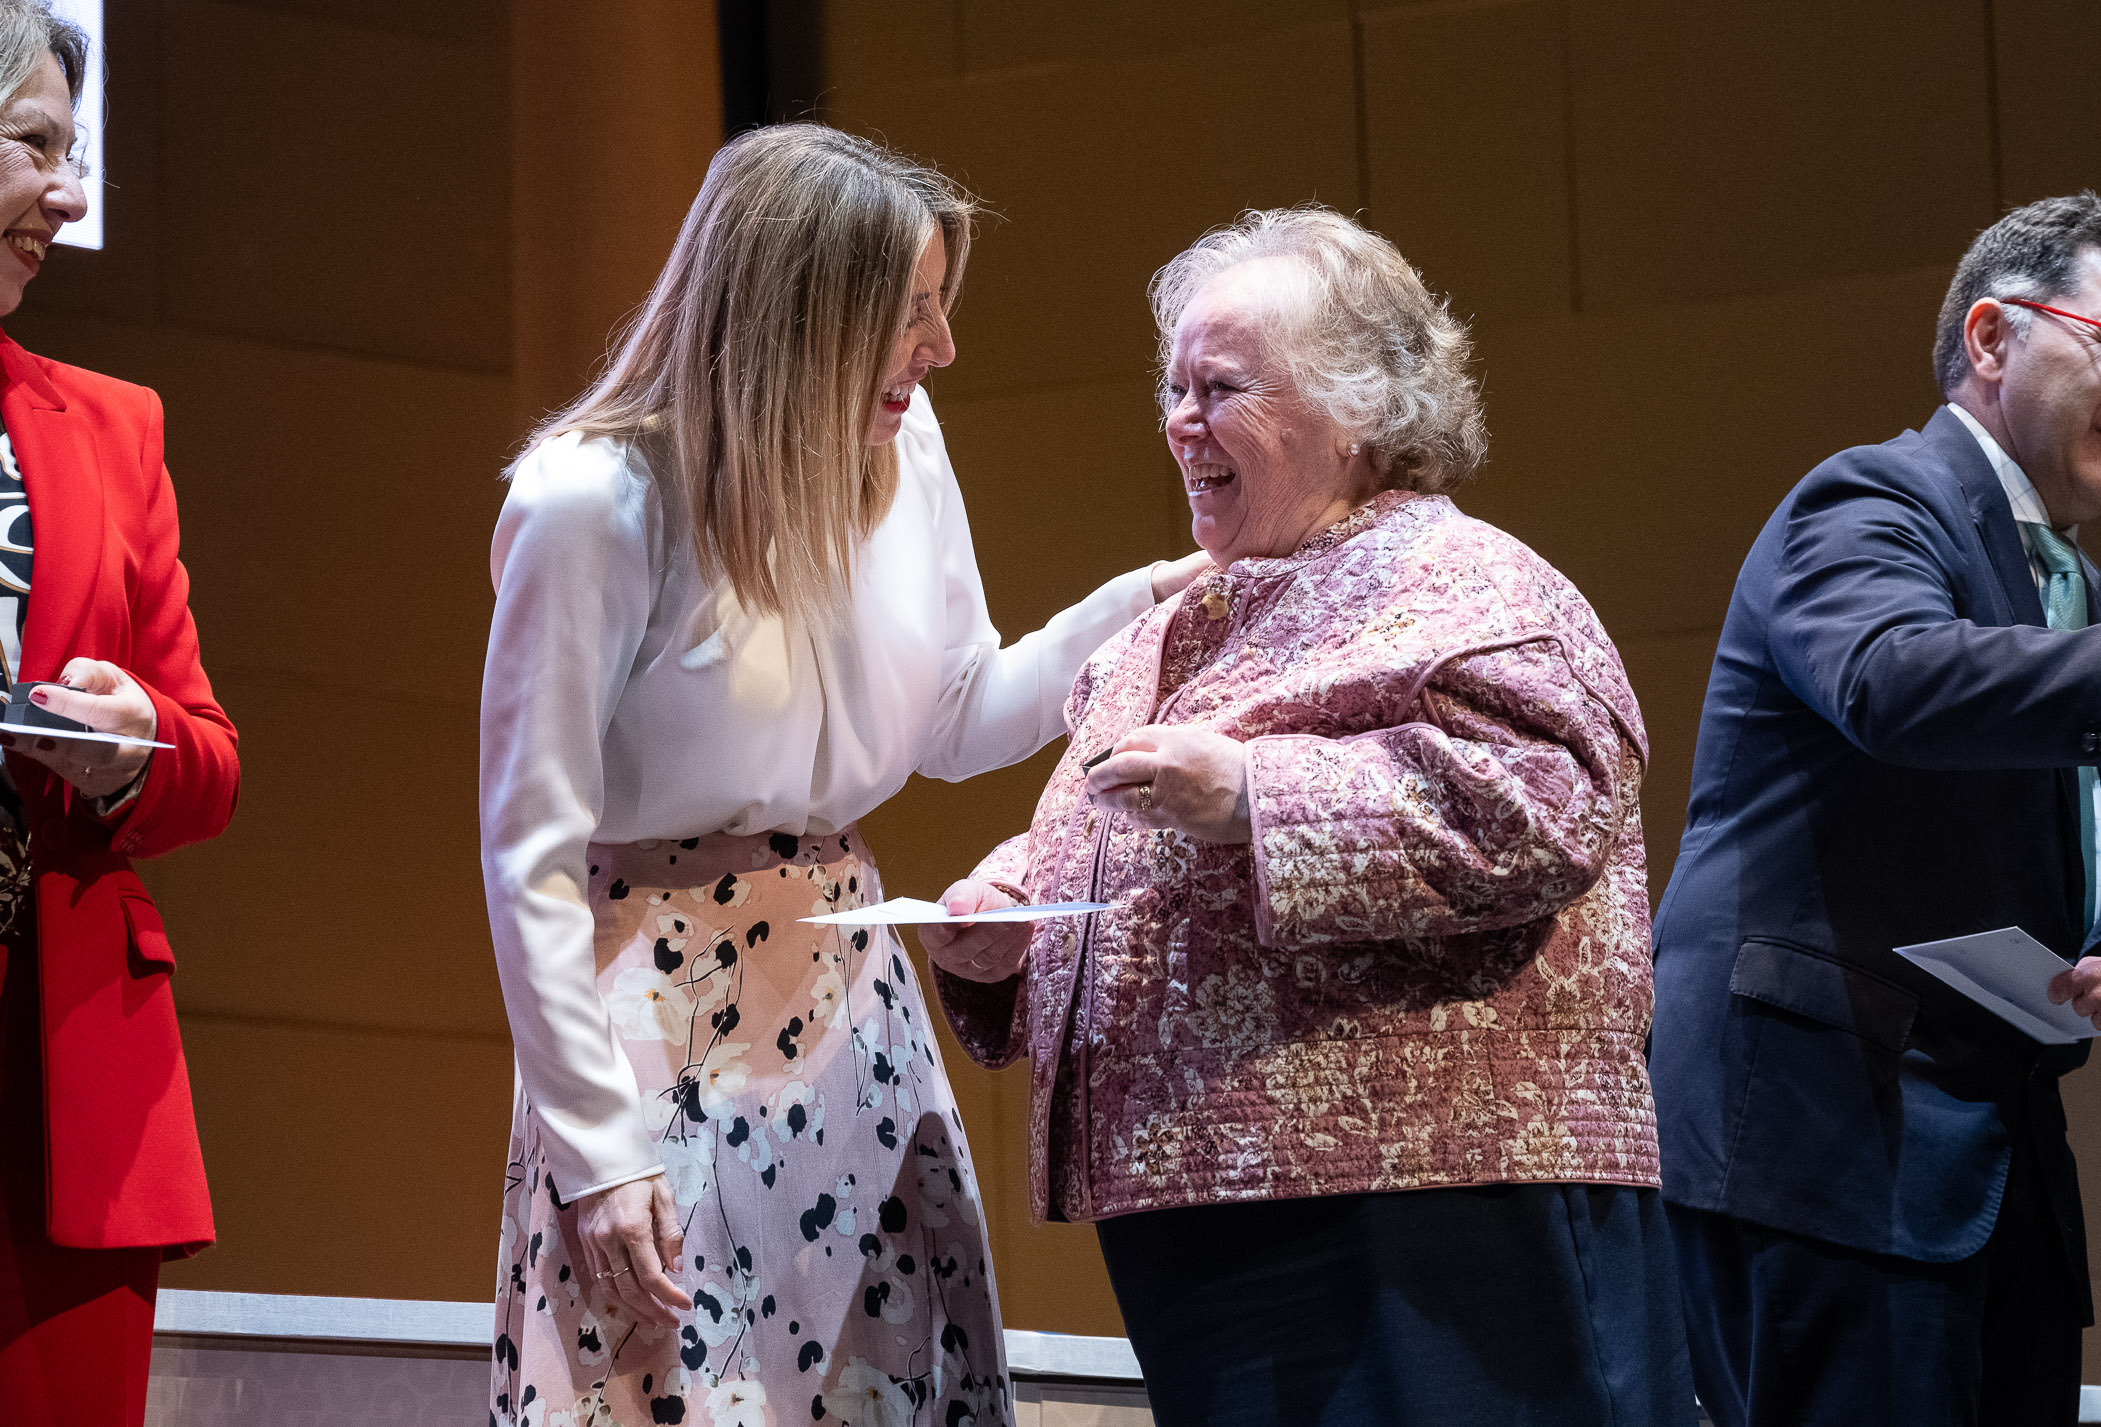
122 740
911 911
2007 972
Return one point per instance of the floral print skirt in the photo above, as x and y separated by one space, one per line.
834 1237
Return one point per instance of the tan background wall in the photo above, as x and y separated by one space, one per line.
358 244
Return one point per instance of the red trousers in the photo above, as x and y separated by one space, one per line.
76 1325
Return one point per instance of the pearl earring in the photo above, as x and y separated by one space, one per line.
1355 448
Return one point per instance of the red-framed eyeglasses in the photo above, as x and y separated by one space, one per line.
2094 322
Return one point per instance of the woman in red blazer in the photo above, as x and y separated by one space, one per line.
100 1173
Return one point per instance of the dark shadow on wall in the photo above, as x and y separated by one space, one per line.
773 61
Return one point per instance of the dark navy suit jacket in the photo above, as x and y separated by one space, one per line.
1886 756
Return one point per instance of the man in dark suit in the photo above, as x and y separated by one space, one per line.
1876 1212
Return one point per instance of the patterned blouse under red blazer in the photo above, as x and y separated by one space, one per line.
1431 967
125 1168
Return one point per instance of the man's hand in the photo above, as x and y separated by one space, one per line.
2081 985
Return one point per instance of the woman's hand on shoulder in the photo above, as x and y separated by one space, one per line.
976 951
1188 779
628 1236
107 700
1171 577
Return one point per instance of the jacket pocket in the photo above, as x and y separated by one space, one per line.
1825 990
149 938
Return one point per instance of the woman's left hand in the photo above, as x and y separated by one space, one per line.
1171 577
1188 779
107 700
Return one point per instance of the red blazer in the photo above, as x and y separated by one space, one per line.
125 1169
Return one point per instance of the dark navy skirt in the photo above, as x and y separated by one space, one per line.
1547 1304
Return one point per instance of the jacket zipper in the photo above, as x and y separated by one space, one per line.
1085 977
1084 974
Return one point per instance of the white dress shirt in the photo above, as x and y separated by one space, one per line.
2027 506
627 696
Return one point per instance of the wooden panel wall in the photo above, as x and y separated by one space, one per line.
360 244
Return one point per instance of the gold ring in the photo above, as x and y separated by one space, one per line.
1145 797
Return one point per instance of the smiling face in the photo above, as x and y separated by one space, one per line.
39 189
2050 399
923 345
1263 469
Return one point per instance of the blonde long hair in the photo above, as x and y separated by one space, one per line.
751 374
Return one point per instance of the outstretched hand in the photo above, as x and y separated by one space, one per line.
1171 577
976 951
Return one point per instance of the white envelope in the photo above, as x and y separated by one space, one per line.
122 740
911 911
2007 972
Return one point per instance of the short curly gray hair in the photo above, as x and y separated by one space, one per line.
29 30
1365 341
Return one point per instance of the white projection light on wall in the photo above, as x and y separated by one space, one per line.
94 117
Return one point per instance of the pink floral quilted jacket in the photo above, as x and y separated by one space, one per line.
1432 965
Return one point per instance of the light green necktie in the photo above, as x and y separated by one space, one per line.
2064 607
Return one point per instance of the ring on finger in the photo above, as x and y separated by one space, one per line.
1145 797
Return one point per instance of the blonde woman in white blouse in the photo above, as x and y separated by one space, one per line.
736 608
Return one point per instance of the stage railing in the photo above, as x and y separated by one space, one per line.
266 1360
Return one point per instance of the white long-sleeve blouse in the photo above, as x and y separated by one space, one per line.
628 696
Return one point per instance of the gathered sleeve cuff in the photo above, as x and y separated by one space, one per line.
575 579
1497 808
990 1021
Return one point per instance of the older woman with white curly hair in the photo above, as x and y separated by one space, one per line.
1350 1073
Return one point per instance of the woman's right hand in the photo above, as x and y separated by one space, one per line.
976 951
628 1235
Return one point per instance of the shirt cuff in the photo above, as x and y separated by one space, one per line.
110 805
614 1183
